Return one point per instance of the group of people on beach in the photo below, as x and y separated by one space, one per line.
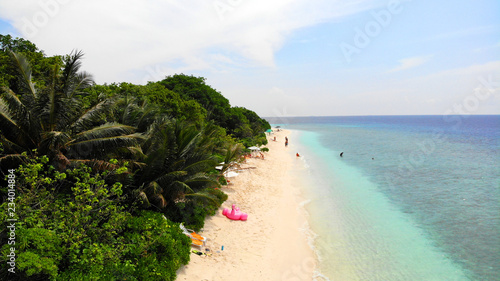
286 144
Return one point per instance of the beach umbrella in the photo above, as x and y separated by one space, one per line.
254 148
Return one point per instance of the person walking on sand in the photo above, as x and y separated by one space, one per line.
286 141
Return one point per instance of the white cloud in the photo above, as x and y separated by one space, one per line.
487 48
471 71
466 32
410 63
124 37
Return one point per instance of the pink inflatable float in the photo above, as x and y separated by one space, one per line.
235 213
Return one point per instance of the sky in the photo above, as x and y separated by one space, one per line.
286 57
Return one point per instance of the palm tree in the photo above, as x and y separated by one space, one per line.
51 120
139 114
177 161
231 156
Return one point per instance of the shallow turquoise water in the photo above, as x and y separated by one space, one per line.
412 199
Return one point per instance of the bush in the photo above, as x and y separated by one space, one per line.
150 248
86 234
194 211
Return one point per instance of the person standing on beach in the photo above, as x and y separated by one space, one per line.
286 141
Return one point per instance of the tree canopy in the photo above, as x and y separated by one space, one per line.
107 172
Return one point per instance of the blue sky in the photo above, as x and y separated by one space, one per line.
288 57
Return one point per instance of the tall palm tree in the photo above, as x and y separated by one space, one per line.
176 164
51 120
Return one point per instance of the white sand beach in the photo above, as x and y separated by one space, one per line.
272 244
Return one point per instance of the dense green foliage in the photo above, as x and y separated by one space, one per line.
51 119
106 172
188 98
40 64
238 121
72 225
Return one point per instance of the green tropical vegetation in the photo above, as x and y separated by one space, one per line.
104 174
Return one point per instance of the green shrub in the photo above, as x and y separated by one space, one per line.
193 212
86 234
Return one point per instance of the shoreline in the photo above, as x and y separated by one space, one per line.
273 243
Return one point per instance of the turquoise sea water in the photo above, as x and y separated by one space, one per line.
412 198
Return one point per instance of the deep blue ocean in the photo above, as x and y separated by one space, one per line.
412 198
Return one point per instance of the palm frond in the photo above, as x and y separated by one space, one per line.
7 120
202 195
91 115
14 130
104 145
10 146
10 102
23 68
53 141
166 179
153 188
162 202
70 71
154 191
143 198
182 186
104 131
203 165
202 180
187 139
12 160
81 81
132 152
231 154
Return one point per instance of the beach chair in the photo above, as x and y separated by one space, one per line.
196 243
196 239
